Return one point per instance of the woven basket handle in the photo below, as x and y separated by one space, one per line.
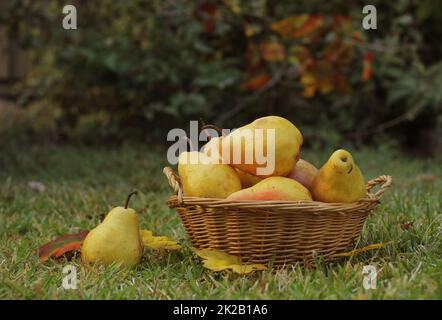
174 182
384 182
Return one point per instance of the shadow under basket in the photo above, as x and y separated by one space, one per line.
281 232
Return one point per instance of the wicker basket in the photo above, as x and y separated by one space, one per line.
281 232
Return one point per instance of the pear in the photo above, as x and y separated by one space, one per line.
339 180
304 172
247 179
213 148
115 240
206 177
274 188
243 147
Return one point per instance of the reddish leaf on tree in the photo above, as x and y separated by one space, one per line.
289 25
366 66
298 26
357 36
340 19
251 29
310 25
272 51
207 13
61 245
253 58
256 82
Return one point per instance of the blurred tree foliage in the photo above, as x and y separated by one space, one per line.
137 68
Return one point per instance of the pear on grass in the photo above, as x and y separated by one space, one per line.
116 239
339 180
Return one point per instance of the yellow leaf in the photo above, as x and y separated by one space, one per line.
157 243
366 248
233 5
288 26
308 81
298 26
217 260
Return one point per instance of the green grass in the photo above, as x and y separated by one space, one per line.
84 183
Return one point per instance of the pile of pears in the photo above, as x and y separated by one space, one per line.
292 179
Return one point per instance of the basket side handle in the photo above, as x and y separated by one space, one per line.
174 182
384 181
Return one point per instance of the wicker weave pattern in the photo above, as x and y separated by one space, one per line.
284 232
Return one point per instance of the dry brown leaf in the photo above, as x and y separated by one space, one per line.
61 245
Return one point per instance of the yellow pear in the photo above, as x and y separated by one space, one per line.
204 176
115 240
213 147
249 149
274 188
339 180
247 179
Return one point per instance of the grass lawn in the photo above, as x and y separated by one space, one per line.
83 183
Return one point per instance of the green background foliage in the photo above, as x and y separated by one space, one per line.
138 68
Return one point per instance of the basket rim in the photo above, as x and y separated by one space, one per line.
179 200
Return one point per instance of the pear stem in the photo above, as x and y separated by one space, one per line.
128 198
190 143
211 126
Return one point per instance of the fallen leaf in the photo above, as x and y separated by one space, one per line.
407 225
36 186
61 245
217 260
157 243
366 248
426 177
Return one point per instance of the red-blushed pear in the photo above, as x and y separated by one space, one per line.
274 188
115 240
268 146
304 172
